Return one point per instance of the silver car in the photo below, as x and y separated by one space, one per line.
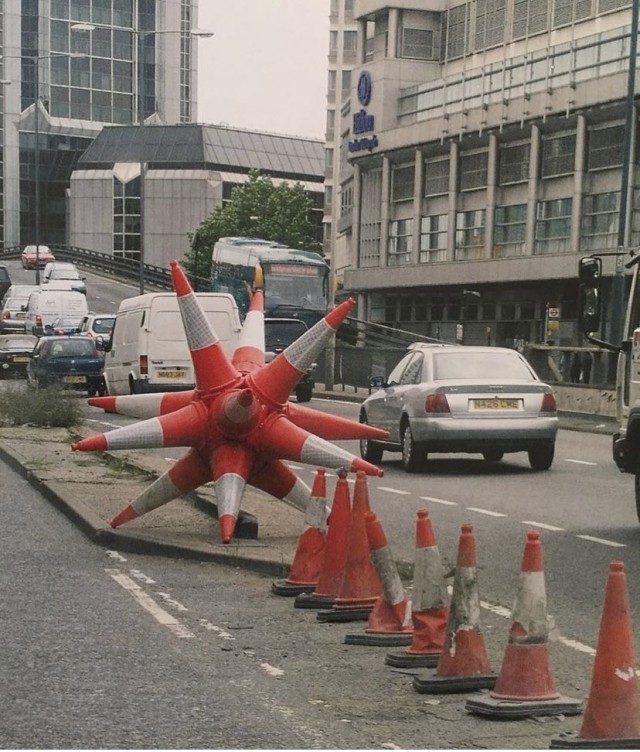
459 398
12 316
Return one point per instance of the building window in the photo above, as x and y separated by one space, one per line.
350 41
346 199
126 218
456 31
600 217
553 226
417 43
529 17
402 183
470 227
490 19
558 156
370 219
569 11
513 164
433 238
436 177
400 233
510 230
473 171
606 147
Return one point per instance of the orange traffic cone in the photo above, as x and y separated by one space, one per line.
463 663
335 551
429 602
525 685
307 560
612 717
390 620
360 587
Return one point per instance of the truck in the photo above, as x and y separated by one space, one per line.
626 439
295 284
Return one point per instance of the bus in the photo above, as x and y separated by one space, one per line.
295 283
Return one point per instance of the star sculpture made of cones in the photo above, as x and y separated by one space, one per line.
237 422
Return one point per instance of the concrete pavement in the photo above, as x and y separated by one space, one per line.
90 488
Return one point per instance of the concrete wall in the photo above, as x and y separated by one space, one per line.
578 398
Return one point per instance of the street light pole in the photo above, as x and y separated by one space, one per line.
36 172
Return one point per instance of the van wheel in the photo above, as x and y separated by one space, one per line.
304 392
133 387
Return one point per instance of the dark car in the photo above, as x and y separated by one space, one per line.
5 281
63 325
15 354
71 362
278 335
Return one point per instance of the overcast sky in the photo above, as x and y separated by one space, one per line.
266 67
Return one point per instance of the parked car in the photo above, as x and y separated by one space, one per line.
459 398
5 281
15 354
30 258
12 318
70 362
99 326
63 325
63 275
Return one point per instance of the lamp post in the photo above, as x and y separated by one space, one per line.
141 36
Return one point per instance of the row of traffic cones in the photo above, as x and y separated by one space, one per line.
352 560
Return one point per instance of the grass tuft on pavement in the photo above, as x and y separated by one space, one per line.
51 407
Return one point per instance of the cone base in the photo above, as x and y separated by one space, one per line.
575 742
412 660
387 640
429 683
495 708
344 614
290 589
313 601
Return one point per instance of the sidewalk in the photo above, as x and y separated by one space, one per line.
90 488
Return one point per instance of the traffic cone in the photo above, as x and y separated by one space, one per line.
335 551
390 620
463 663
429 602
360 587
307 560
525 685
612 717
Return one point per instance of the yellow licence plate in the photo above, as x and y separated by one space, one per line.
496 404
172 374
21 360
74 379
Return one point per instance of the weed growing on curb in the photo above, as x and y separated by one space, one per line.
51 407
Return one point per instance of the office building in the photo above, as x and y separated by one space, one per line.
82 65
483 149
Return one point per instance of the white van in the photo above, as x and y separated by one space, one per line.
148 350
45 306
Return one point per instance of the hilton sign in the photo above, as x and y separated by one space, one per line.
363 122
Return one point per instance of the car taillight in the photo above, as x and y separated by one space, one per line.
144 365
38 319
549 404
436 403
6 315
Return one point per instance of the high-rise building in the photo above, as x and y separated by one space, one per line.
484 147
68 67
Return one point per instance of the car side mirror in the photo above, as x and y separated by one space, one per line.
589 299
376 382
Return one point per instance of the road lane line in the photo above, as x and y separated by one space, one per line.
581 462
394 490
159 614
543 526
218 630
604 541
486 511
271 670
439 501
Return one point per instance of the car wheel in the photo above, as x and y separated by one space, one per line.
541 458
493 456
369 450
304 392
413 454
91 391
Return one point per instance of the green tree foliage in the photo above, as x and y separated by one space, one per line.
258 209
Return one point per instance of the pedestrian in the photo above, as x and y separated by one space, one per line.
574 371
586 361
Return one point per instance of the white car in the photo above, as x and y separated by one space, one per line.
63 275
459 398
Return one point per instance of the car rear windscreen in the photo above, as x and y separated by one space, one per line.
480 365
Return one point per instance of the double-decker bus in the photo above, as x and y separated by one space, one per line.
295 283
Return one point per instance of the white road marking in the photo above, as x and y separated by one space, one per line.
486 511
159 614
271 670
439 501
218 630
604 541
171 601
102 422
141 576
297 467
581 462
543 526
115 555
394 490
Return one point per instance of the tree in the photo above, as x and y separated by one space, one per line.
259 209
